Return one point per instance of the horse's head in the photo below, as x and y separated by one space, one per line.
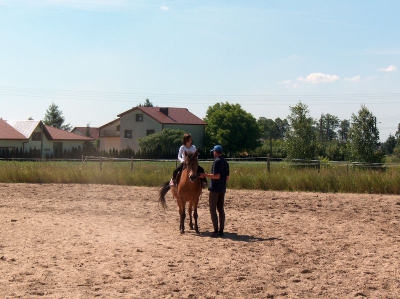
191 163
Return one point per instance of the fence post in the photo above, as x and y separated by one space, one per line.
131 164
319 166
268 163
101 163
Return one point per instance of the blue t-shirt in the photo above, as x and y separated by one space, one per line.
221 167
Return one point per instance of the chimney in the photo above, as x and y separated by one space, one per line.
164 110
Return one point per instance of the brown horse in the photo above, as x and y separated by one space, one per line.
188 190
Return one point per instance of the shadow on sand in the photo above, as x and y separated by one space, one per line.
240 238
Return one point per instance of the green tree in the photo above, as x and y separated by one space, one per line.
327 127
283 127
269 128
397 134
147 103
54 118
301 138
88 147
364 138
396 152
232 127
343 131
166 142
389 145
269 131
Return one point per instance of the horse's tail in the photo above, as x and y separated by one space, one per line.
162 192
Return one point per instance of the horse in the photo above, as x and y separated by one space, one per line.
189 189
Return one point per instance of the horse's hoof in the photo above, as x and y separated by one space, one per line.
182 232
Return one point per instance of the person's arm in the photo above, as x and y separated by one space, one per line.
213 176
180 154
210 176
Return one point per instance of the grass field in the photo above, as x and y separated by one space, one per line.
243 175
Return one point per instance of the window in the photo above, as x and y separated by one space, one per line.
118 128
139 117
149 132
128 133
36 136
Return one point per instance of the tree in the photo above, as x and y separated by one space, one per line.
389 145
344 128
167 141
327 127
364 137
147 103
269 130
54 118
88 146
397 134
301 138
283 127
232 127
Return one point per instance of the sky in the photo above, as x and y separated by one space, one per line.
95 59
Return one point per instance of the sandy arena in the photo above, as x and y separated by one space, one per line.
99 241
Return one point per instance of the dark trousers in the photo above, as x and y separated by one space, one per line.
216 202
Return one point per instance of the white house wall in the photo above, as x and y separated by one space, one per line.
110 143
11 143
139 129
67 145
110 137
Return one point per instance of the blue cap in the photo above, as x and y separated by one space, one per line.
217 148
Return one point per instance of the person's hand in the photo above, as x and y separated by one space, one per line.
202 175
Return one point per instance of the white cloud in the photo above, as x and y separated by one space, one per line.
369 78
164 8
389 69
316 78
353 79
288 83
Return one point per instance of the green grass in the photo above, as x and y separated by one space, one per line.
243 175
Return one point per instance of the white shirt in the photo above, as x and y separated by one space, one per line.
182 149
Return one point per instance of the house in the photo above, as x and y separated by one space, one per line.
10 138
138 122
93 132
34 135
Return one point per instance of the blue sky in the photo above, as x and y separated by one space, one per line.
98 58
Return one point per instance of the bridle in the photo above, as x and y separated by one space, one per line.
189 160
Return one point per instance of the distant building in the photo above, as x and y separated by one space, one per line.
93 132
139 122
34 135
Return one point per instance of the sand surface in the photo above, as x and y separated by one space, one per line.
99 241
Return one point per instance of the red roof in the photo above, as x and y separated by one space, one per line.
93 132
7 132
58 134
169 115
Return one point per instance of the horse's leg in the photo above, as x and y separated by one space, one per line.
182 215
190 214
195 216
